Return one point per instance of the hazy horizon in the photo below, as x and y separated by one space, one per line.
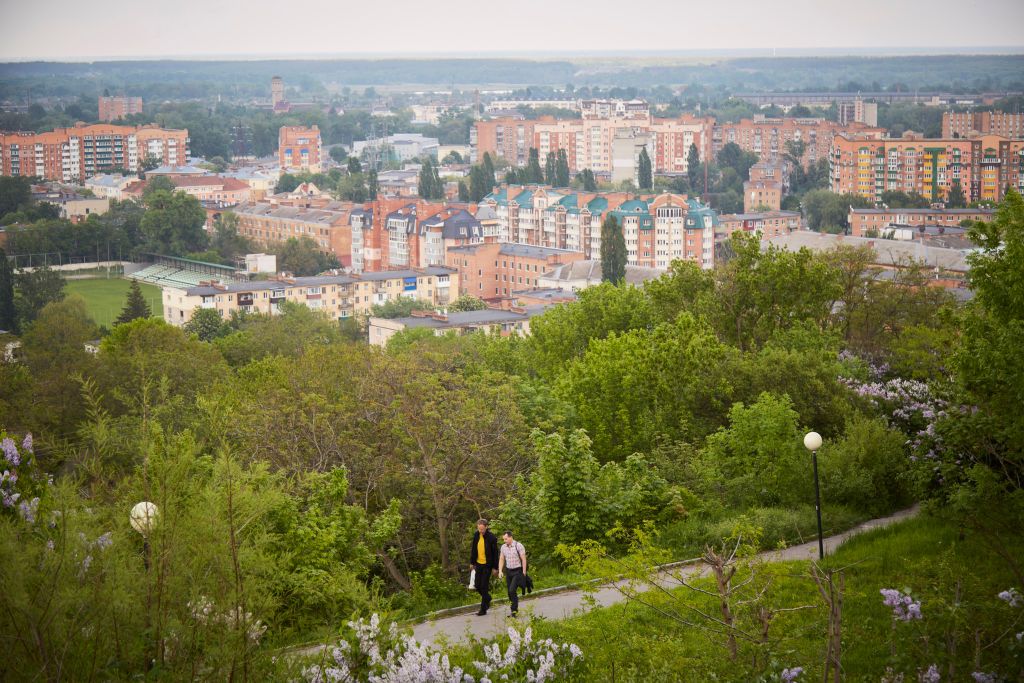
114 30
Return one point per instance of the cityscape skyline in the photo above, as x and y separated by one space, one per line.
190 29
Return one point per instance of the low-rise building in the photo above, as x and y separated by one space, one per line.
108 185
578 275
762 195
268 223
73 206
208 189
874 222
515 320
768 223
338 296
495 270
399 147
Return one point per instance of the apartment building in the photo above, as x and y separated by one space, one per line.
299 149
206 188
777 170
508 137
338 296
74 154
762 195
118 107
496 270
658 229
969 124
982 166
873 222
327 224
767 137
768 223
858 111
403 233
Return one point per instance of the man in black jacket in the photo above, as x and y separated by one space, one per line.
483 558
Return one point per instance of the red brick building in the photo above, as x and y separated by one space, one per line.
968 124
299 149
768 223
114 108
872 222
767 137
762 195
495 270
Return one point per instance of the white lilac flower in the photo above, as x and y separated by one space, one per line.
929 675
27 443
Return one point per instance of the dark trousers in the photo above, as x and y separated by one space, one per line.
483 585
513 577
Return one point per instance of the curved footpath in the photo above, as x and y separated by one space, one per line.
562 604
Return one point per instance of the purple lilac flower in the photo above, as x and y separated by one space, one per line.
50 545
904 607
1011 597
929 675
10 451
790 675
9 499
105 541
28 510
982 677
26 445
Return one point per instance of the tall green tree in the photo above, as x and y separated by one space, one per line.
135 306
550 169
562 169
35 289
354 165
488 165
956 199
430 185
173 224
613 251
15 193
8 311
693 169
463 191
587 180
533 173
478 188
372 185
645 178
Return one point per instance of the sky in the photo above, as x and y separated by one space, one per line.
100 29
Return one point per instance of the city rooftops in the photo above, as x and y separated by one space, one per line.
926 212
488 316
317 281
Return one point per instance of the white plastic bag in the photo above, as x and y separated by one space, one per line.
472 580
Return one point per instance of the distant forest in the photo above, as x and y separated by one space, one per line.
167 79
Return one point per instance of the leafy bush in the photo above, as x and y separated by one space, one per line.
867 467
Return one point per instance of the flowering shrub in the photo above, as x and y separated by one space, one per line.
904 607
929 675
377 656
790 675
18 485
1011 597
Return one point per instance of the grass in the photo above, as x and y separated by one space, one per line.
956 581
105 297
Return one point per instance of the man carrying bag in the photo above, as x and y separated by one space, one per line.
513 559
483 562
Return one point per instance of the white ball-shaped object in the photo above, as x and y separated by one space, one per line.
812 441
143 517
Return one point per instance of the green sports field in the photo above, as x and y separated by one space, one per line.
106 297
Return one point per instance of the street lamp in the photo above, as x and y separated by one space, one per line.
143 517
812 442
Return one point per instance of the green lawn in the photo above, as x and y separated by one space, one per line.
106 297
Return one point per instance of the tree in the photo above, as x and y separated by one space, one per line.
463 192
301 256
207 325
173 225
613 251
478 188
35 289
533 173
693 169
354 165
562 169
353 188
956 199
826 210
430 185
587 180
895 199
645 179
135 306
372 184
287 183
467 302
402 307
550 165
154 185
8 311
452 157
489 178
226 240
15 193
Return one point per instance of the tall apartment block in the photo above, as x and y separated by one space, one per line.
74 154
299 148
967 124
982 166
768 137
118 107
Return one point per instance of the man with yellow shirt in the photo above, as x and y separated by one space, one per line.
483 559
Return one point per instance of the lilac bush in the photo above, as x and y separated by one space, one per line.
377 656
983 677
904 607
929 675
1011 597
790 675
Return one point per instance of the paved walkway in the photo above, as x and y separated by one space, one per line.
463 627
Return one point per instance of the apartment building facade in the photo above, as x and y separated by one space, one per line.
768 223
403 233
768 137
206 188
74 154
658 229
338 296
495 270
300 149
762 195
327 224
982 166
873 222
116 107
968 124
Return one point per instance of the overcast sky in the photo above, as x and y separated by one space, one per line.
89 29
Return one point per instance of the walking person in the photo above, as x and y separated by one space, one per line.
483 559
513 560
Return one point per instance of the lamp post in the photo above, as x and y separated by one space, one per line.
143 517
812 442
